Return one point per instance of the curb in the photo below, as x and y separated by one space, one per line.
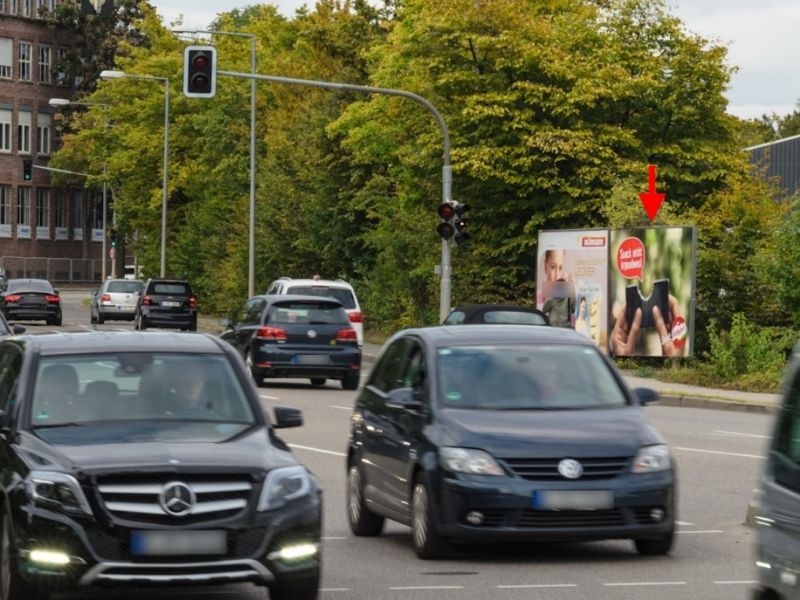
717 404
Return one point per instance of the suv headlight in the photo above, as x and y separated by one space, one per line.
56 490
283 485
650 459
466 460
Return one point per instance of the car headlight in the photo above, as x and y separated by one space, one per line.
466 460
56 490
283 485
650 459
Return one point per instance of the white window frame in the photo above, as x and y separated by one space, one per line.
23 132
5 210
13 7
25 50
45 64
23 205
42 213
26 8
6 57
43 134
5 130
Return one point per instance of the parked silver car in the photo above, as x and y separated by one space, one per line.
116 299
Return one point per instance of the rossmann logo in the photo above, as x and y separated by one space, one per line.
593 241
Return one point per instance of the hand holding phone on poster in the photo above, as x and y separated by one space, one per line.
673 338
624 338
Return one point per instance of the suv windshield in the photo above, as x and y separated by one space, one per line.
343 295
311 313
172 288
519 377
124 287
129 386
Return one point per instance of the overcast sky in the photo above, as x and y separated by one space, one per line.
759 35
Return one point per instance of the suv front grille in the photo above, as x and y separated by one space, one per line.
141 499
546 469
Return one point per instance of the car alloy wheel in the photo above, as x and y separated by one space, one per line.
354 504
428 542
363 522
419 519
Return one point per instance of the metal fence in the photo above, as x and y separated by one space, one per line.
62 270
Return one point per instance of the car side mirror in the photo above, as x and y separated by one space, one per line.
646 395
224 322
403 398
17 329
286 416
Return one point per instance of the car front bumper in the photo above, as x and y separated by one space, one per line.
508 513
99 554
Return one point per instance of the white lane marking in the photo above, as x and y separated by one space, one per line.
537 585
83 326
635 583
334 538
701 531
332 590
743 582
268 397
718 452
740 434
342 407
320 450
428 587
684 523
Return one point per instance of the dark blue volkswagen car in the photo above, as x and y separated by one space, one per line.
506 433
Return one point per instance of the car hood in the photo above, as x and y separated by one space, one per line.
156 447
549 434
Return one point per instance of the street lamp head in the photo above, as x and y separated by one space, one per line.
105 75
59 102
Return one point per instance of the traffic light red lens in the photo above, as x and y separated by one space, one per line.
446 211
200 61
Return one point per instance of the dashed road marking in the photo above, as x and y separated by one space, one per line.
643 583
741 582
320 450
334 589
427 587
700 531
334 538
537 585
720 453
268 397
342 407
741 434
684 523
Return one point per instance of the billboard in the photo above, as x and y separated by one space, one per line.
572 281
651 291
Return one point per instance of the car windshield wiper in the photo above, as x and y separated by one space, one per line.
54 425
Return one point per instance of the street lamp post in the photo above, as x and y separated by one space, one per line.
251 251
120 75
61 102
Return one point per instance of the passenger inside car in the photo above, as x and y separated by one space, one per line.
56 396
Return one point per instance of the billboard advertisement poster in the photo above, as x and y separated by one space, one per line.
651 291
572 281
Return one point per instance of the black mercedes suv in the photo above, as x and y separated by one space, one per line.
136 459
167 303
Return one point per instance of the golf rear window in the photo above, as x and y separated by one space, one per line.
343 295
172 289
124 287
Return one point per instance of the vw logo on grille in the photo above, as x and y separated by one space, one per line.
570 468
312 334
177 499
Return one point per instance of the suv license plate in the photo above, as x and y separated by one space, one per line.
178 543
170 303
573 499
312 359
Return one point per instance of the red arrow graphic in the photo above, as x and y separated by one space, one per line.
652 200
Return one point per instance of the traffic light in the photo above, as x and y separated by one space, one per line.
199 71
27 169
460 222
113 236
446 228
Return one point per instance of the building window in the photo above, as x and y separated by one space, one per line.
24 133
5 211
6 57
77 231
43 134
23 202
11 5
61 59
45 64
42 213
5 130
60 209
97 211
26 8
25 61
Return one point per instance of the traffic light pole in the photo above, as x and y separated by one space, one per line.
447 173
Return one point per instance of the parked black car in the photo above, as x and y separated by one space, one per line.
506 433
31 300
167 303
134 458
495 314
296 336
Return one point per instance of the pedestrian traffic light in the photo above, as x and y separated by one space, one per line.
199 71
446 228
113 236
460 222
27 169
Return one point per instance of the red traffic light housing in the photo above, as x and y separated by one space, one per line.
199 71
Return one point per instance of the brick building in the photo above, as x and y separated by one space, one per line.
44 231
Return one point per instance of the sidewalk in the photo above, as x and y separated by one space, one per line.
678 394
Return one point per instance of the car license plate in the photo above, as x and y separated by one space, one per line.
573 499
178 543
311 359
170 303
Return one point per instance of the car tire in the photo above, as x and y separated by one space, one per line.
92 318
428 543
318 381
139 323
655 546
306 588
350 382
100 320
252 370
363 522
12 585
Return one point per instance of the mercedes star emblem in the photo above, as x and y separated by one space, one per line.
570 468
177 499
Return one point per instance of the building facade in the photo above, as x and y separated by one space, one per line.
779 160
44 231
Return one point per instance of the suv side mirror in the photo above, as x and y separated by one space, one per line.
403 398
286 416
17 329
646 395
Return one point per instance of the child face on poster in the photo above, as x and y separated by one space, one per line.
554 266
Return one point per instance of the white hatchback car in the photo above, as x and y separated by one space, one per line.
337 289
